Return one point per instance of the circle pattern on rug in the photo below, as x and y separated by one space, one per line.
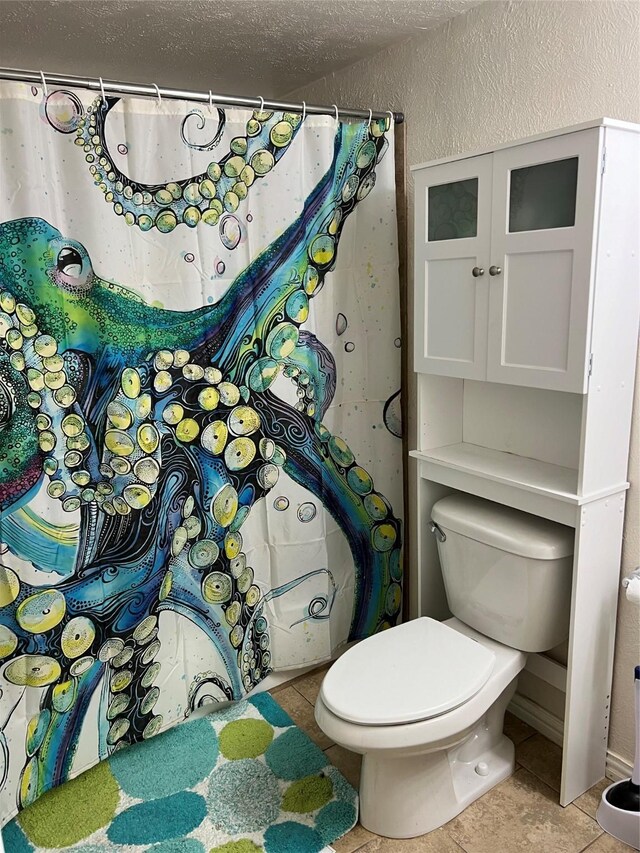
291 837
234 711
73 811
289 756
337 816
307 795
272 712
158 820
245 738
245 781
14 839
165 765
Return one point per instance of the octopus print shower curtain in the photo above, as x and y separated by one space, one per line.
200 468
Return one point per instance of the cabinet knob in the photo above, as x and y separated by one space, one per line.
493 270
477 271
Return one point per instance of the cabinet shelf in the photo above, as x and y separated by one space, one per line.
507 469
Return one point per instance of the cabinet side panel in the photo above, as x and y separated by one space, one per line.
607 413
439 411
418 303
594 601
432 600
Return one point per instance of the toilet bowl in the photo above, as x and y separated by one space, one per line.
439 745
424 702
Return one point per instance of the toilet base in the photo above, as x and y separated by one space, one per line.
403 795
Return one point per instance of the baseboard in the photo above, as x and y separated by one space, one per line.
618 767
552 727
542 720
277 679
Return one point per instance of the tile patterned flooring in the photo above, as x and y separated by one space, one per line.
519 815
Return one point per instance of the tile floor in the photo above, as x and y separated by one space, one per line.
519 815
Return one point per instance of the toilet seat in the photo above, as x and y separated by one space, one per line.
412 672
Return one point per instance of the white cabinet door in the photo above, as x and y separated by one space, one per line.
453 224
544 212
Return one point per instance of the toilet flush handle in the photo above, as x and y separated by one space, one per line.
438 532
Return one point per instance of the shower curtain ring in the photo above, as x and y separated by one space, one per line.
155 86
261 103
391 119
335 106
45 91
304 110
370 116
104 98
210 100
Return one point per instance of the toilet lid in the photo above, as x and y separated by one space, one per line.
412 672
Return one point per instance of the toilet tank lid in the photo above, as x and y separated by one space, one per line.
503 527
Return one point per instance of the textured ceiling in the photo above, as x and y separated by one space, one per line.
264 47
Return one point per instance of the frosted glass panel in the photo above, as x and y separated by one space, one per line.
453 210
543 196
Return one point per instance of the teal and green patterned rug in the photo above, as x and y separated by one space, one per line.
241 780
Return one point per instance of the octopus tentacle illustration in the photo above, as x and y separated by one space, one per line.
198 198
157 431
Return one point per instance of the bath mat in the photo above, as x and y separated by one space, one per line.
241 780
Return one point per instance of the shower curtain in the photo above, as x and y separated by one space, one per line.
200 462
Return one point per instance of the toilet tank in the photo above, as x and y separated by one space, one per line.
506 573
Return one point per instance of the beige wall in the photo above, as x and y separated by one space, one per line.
506 70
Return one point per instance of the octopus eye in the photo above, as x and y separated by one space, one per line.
69 262
72 269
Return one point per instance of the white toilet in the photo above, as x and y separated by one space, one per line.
424 702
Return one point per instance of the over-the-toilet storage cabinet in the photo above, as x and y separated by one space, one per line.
527 297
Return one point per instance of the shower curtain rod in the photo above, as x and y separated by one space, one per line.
153 91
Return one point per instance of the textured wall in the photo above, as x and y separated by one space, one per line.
501 72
